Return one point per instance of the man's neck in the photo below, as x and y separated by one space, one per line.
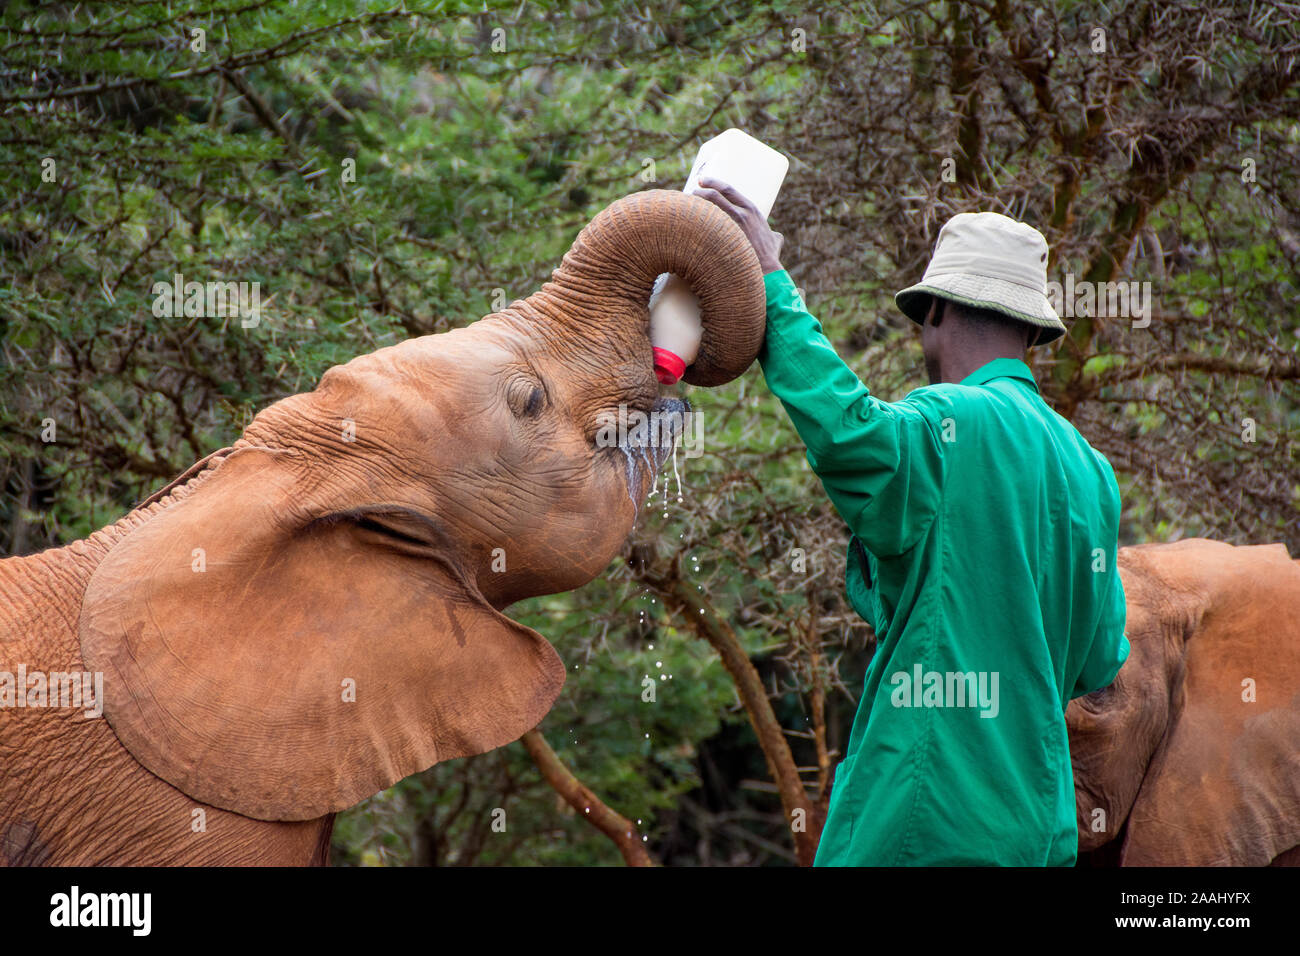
959 367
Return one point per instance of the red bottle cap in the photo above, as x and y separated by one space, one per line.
669 367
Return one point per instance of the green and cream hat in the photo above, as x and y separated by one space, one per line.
988 261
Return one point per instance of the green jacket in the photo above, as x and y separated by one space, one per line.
984 530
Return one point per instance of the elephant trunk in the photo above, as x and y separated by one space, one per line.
612 265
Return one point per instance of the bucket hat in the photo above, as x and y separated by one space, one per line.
988 261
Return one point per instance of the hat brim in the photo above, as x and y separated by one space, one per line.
983 292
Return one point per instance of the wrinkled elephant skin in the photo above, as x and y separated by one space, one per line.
1192 756
310 615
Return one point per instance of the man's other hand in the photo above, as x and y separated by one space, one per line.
766 243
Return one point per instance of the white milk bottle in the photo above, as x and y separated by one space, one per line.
675 328
756 171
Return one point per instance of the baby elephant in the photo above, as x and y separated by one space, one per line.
310 615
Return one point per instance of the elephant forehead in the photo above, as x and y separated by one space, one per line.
401 399
429 366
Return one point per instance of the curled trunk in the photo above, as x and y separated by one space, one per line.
615 260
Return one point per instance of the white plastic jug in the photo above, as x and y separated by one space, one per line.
756 170
739 160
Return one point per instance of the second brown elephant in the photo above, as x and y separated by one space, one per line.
1192 756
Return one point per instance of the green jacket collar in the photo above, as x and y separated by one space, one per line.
1001 368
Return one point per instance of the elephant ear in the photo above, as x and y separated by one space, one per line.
283 664
1223 789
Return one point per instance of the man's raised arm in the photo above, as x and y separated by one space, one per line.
880 462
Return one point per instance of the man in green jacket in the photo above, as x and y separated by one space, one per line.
982 552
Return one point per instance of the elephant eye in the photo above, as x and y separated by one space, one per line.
526 398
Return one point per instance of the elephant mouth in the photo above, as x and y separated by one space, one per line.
646 440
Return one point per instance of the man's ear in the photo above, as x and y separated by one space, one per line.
934 315
284 664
